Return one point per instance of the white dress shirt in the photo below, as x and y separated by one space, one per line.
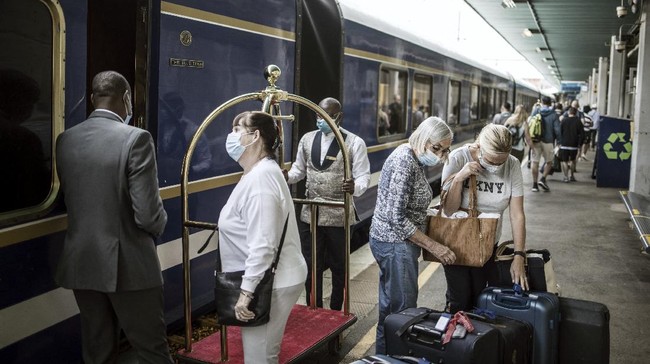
358 160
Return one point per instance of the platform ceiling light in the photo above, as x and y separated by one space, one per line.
529 32
541 49
508 4
546 59
552 66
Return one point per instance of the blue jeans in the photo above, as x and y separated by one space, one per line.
398 281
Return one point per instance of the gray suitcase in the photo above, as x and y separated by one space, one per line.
540 309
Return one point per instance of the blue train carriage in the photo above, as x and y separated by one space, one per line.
383 63
182 60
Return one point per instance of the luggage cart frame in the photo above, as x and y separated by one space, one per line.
271 98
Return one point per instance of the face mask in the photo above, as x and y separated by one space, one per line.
234 147
490 168
429 159
127 106
322 125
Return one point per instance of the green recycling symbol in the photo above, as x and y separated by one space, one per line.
611 153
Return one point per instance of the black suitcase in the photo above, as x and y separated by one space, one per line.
515 338
540 309
584 332
412 332
385 359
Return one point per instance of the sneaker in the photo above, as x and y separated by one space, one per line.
542 183
565 180
584 158
535 189
572 179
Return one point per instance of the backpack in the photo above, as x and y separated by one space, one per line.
516 135
536 128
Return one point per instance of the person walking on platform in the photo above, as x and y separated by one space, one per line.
250 229
518 127
319 159
504 115
544 148
593 131
571 136
397 233
499 187
110 185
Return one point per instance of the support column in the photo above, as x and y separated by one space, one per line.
602 85
616 80
640 167
594 87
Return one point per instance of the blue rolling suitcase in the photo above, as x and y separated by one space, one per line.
413 332
584 332
540 309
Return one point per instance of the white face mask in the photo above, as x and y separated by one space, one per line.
490 168
128 107
234 147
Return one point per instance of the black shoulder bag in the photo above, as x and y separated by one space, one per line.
227 287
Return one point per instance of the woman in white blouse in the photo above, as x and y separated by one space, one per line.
250 227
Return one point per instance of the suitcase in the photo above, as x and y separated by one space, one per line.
385 359
412 332
540 309
584 332
515 338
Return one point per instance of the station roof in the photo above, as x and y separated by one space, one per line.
566 37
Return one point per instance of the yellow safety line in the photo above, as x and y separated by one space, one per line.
362 347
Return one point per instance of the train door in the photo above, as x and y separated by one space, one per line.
117 40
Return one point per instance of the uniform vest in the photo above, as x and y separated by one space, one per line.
324 180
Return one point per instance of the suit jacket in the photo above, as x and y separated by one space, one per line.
109 180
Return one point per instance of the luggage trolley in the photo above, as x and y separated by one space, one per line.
300 337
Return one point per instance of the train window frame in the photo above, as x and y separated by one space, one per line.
402 71
474 97
58 48
427 101
450 107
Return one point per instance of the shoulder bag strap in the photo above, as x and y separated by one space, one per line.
284 232
473 199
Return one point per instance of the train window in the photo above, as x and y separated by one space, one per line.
439 96
473 102
27 106
453 102
421 110
492 105
392 90
483 105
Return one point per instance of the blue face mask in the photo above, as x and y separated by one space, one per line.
129 111
234 147
429 159
322 125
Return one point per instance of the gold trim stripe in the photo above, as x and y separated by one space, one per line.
377 148
32 230
226 21
352 52
201 185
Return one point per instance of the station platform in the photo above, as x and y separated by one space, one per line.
596 255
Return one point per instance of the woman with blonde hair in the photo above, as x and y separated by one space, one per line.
518 127
499 187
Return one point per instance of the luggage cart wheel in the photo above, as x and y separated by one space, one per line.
334 345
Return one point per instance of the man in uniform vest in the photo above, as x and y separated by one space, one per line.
319 159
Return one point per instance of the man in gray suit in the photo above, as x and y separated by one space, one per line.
109 180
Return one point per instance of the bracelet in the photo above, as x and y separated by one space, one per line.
520 253
246 294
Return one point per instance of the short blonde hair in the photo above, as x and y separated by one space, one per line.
432 129
495 139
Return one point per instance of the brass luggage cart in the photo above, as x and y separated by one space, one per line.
308 328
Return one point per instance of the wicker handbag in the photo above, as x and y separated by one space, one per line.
470 238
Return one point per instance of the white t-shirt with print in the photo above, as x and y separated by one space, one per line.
493 190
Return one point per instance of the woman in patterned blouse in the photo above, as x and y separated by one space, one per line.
398 225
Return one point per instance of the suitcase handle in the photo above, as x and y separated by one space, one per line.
512 302
426 335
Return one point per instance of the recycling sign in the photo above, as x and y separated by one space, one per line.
617 147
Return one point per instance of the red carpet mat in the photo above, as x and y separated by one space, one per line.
306 330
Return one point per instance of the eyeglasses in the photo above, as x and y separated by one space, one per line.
438 149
